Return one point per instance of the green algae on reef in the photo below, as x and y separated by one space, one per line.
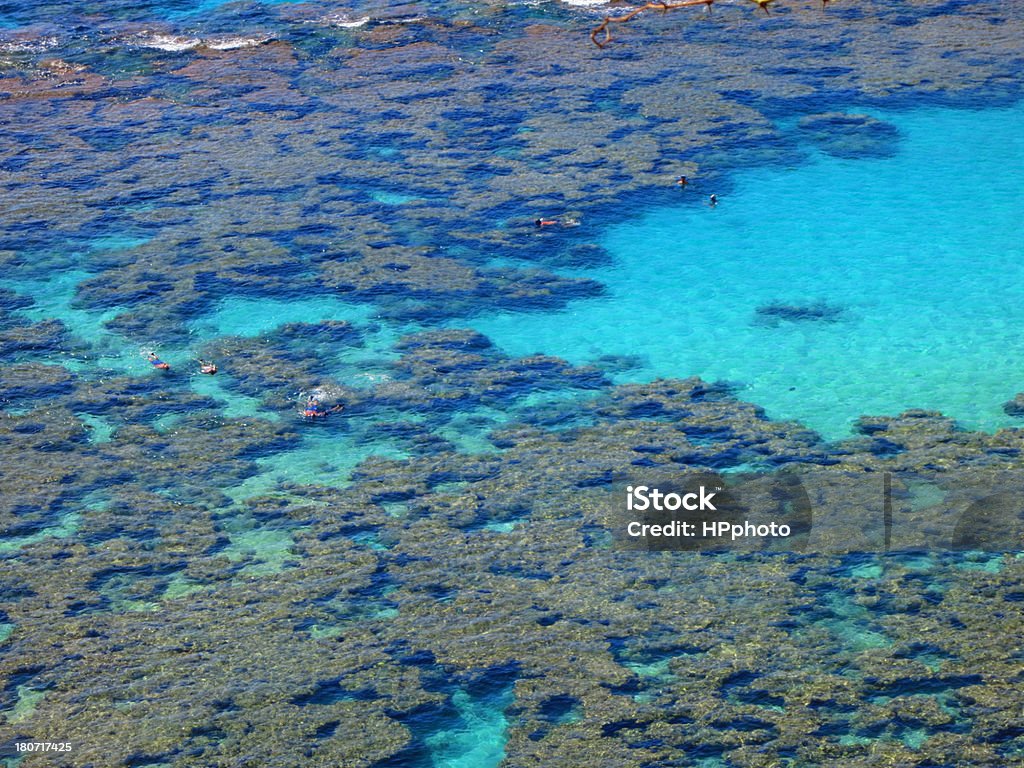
666 655
695 675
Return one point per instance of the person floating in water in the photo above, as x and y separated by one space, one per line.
314 408
682 181
713 201
207 368
546 222
156 362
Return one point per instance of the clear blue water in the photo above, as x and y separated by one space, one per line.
205 6
478 740
922 252
14 15
251 317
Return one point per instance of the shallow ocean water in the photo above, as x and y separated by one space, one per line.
478 741
921 253
912 262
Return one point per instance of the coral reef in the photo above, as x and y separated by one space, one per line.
772 315
850 136
162 602
1015 407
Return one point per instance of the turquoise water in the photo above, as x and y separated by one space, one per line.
205 6
478 741
251 317
921 252
323 457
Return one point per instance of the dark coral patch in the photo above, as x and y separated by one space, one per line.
850 136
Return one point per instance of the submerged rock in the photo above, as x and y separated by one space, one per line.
1015 407
850 135
773 314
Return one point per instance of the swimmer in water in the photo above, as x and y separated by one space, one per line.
713 201
207 368
545 222
682 181
156 362
314 409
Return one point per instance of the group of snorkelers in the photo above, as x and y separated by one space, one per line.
313 409
681 181
555 222
205 366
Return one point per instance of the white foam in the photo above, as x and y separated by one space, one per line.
347 23
327 395
234 43
177 43
372 378
29 46
339 20
168 42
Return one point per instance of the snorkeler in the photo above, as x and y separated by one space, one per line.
545 222
207 368
713 201
156 362
314 409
